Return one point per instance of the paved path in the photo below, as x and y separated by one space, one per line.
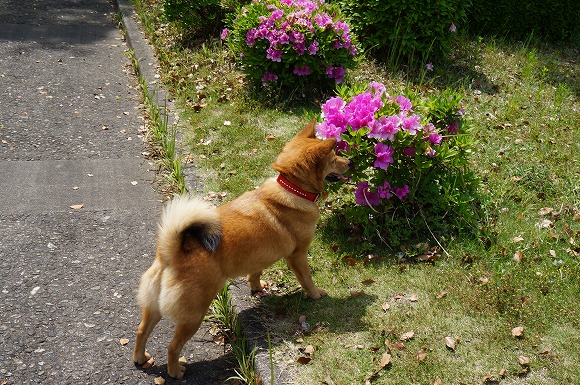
69 136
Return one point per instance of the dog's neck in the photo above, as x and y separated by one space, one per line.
291 187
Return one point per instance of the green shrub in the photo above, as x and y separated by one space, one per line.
556 20
292 43
408 30
199 16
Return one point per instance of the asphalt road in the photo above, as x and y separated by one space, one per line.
69 136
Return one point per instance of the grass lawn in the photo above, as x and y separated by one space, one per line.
450 321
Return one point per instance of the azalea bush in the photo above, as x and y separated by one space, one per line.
408 152
292 43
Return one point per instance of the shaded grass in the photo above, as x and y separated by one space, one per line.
524 100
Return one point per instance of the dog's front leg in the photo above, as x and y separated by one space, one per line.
298 263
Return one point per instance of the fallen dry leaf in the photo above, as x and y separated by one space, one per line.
524 361
518 331
385 306
421 355
438 381
517 239
159 381
545 211
356 293
123 341
219 340
368 282
398 345
77 207
502 372
414 298
407 336
303 360
518 256
349 261
385 359
309 349
149 363
490 380
450 343
270 137
441 294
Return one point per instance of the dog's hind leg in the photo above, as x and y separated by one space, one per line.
149 320
183 332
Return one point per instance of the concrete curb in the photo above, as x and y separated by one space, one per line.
252 323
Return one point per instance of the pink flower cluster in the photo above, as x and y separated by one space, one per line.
292 28
361 111
392 130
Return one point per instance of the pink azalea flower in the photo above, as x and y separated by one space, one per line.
404 104
269 78
333 112
323 20
402 192
364 197
361 109
384 155
412 124
336 73
429 66
300 48
313 48
435 139
251 36
276 15
385 191
385 128
327 130
301 70
274 54
453 28
378 88
453 128
224 34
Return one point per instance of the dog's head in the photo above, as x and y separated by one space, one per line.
309 161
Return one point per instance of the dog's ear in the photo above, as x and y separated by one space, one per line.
309 131
328 145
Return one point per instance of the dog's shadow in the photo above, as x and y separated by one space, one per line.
205 372
335 314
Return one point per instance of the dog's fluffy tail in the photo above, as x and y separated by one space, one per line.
186 224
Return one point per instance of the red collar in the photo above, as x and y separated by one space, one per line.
282 181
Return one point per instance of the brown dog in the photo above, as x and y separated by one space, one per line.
199 247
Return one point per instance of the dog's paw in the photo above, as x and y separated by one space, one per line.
317 293
144 362
264 292
176 371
